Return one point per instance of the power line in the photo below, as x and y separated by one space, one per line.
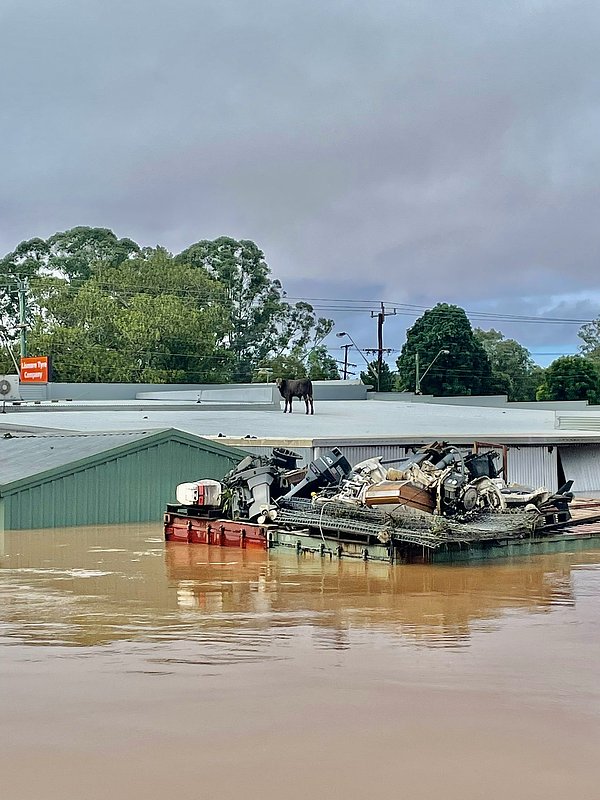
326 304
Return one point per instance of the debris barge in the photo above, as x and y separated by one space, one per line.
438 504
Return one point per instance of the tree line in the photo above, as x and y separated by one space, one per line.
455 359
107 309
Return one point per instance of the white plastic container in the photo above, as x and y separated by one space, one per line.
199 493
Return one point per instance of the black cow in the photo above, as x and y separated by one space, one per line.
302 389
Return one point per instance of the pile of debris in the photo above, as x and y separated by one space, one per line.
435 496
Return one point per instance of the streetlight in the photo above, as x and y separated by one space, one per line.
419 378
369 367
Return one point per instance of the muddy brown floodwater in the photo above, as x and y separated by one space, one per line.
134 669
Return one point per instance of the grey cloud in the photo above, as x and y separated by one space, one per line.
431 151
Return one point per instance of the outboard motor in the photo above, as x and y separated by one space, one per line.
327 470
458 495
284 458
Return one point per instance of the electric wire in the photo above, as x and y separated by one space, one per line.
318 303
116 292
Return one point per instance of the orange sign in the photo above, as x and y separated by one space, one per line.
34 369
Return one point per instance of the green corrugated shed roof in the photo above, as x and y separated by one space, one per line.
28 459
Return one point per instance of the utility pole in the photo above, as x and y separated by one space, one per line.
381 315
345 348
22 289
350 372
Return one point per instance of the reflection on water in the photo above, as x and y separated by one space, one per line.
97 585
133 669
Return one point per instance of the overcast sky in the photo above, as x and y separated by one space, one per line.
412 151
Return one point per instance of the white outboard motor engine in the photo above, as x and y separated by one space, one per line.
200 493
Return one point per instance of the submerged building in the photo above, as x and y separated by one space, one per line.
87 454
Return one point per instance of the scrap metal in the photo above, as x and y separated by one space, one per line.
434 497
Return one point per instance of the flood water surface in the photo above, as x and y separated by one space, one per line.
131 668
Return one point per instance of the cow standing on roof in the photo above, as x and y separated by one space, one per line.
302 389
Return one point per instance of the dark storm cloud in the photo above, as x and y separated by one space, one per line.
427 151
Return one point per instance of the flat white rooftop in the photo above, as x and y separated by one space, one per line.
342 419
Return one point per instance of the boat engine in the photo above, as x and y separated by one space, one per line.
459 495
456 494
329 469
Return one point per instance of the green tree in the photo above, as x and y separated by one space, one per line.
513 370
535 380
571 378
261 324
464 370
74 253
322 366
317 365
146 320
590 336
9 354
106 309
27 259
69 255
284 366
386 379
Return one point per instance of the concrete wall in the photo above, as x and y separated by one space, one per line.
339 390
323 390
486 401
556 405
101 391
256 392
493 401
235 393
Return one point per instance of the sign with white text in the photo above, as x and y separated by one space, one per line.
34 369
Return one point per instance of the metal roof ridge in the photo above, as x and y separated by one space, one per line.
76 434
156 435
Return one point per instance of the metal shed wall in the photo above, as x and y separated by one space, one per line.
581 464
126 487
533 466
530 465
305 453
356 453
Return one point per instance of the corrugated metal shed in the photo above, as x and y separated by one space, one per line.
533 466
25 455
528 464
390 452
360 428
84 479
581 464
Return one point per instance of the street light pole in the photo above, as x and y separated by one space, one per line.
418 376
